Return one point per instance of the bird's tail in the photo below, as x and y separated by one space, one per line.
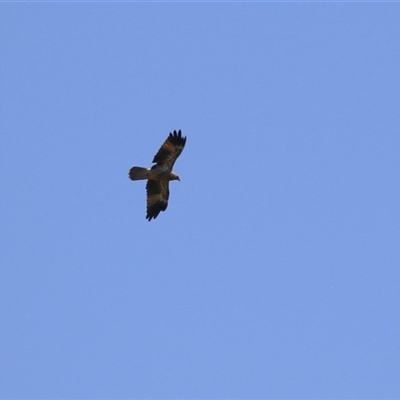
138 173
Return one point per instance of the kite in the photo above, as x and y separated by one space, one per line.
159 175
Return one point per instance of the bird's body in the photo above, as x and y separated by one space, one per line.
157 172
159 175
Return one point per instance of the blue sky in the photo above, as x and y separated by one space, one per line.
274 273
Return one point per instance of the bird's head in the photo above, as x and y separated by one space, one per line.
174 177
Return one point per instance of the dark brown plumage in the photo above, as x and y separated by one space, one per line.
160 174
170 150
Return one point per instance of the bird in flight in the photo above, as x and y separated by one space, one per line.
159 175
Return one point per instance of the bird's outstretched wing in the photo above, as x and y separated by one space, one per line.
157 197
170 150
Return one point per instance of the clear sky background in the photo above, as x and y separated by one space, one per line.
275 271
